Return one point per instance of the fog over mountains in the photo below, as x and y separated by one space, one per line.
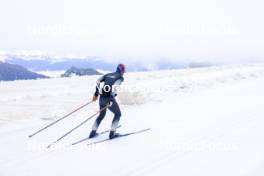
24 66
49 63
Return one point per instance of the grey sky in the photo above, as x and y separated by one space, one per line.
213 30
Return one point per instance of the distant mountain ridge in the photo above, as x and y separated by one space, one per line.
11 72
48 63
61 64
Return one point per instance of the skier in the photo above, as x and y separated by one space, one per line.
107 98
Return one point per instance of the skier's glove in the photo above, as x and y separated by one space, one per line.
114 94
95 98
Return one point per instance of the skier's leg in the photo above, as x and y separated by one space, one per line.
116 110
99 119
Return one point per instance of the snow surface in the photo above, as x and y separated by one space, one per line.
52 74
206 121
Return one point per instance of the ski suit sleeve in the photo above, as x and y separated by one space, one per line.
117 83
101 79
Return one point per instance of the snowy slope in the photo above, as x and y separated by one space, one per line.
52 74
206 121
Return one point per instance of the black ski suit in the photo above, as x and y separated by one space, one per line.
107 96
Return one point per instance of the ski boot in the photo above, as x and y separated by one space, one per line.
113 135
93 134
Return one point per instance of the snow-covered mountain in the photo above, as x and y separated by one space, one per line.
11 72
204 121
42 62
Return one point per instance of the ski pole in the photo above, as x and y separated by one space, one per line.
66 134
49 125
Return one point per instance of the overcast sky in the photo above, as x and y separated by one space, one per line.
211 30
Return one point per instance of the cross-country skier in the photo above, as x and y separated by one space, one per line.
107 97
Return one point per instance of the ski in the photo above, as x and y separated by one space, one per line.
87 138
120 136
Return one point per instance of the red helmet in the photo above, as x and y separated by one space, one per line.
121 68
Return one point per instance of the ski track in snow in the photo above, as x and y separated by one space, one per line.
198 107
164 159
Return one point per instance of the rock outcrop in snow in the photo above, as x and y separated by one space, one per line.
74 71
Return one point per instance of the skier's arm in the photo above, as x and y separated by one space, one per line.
101 79
117 83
